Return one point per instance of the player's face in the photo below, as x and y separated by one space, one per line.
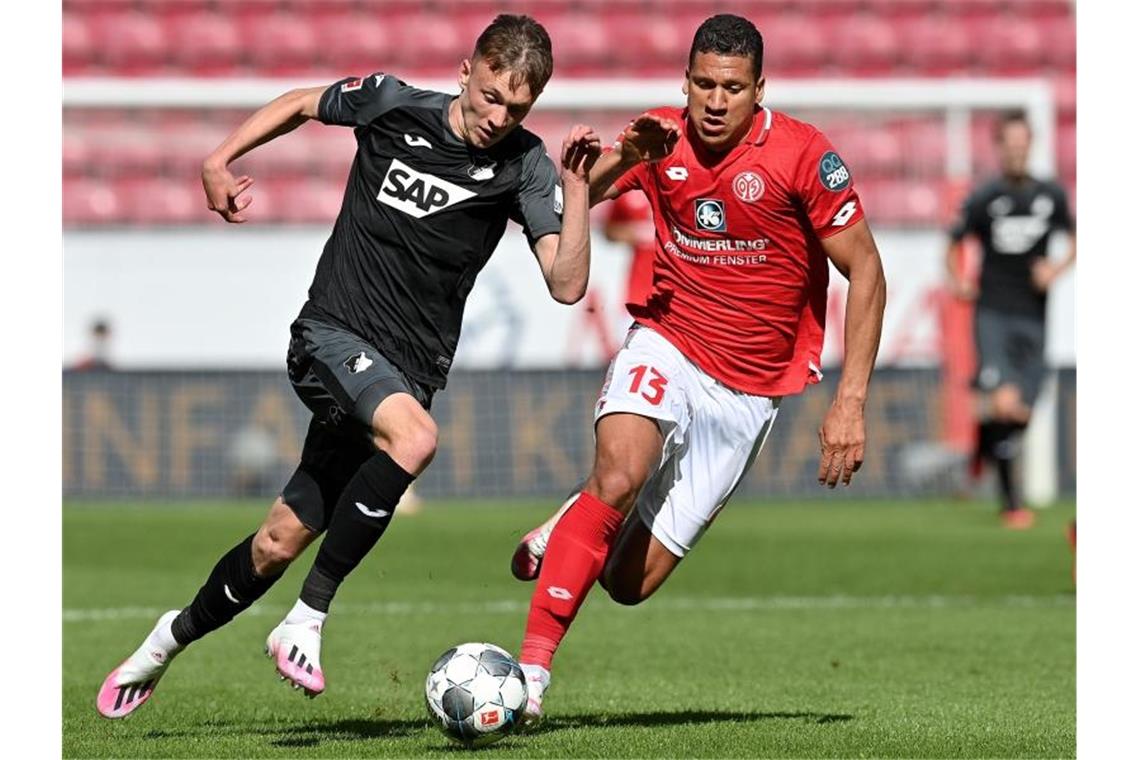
723 94
1013 149
489 108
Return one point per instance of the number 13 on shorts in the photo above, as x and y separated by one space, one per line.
653 389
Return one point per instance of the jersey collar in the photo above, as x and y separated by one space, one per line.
761 126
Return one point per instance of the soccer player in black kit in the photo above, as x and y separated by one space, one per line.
1013 217
433 183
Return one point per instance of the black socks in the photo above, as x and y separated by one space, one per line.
361 515
999 442
231 588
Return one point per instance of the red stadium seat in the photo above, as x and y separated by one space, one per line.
87 201
308 201
1011 46
76 152
1060 39
356 44
864 45
158 201
935 45
205 43
794 45
278 44
648 45
428 43
580 42
78 48
1067 151
129 42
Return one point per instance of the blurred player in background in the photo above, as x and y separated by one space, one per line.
1012 216
749 206
98 355
630 221
433 183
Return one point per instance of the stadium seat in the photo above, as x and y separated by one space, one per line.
76 152
1067 150
794 46
863 46
89 202
581 44
205 43
78 48
278 44
308 201
1010 46
427 42
356 44
1060 40
130 42
156 200
934 46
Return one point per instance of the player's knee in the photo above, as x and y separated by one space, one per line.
274 547
627 594
1008 405
615 486
414 447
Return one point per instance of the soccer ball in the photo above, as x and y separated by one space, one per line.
476 693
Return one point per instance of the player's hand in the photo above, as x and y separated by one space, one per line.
1044 272
963 290
649 137
841 439
224 193
580 151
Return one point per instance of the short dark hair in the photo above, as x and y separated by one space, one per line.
521 45
1007 118
726 34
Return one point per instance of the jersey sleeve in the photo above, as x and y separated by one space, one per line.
538 205
966 221
826 188
1062 211
358 101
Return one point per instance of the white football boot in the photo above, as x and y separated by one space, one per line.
129 686
296 651
537 682
527 559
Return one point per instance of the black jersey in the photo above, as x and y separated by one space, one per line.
421 215
1013 222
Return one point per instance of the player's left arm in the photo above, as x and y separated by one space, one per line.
564 257
842 435
1046 271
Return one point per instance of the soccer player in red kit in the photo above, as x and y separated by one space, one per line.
749 205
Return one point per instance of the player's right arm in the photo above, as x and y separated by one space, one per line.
281 115
650 137
960 285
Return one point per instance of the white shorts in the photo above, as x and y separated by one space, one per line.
712 434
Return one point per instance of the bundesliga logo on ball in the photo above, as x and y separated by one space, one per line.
476 693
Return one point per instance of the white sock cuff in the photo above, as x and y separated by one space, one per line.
302 613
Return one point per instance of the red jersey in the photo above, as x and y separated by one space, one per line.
634 209
739 275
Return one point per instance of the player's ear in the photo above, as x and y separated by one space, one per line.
685 84
759 90
464 73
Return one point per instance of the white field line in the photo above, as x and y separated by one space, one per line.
709 604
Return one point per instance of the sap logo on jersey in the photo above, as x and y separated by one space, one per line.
418 194
833 172
710 215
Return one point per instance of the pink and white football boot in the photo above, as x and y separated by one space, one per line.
527 559
131 685
537 682
296 651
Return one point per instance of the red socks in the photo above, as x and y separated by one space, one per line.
574 559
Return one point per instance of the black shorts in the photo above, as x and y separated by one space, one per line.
1011 349
341 378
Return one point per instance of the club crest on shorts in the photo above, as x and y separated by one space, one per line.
357 363
748 186
710 215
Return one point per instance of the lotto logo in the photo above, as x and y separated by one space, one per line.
710 215
418 194
558 592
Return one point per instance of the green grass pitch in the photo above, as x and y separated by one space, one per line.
853 629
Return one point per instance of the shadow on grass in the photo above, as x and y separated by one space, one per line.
680 718
314 733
